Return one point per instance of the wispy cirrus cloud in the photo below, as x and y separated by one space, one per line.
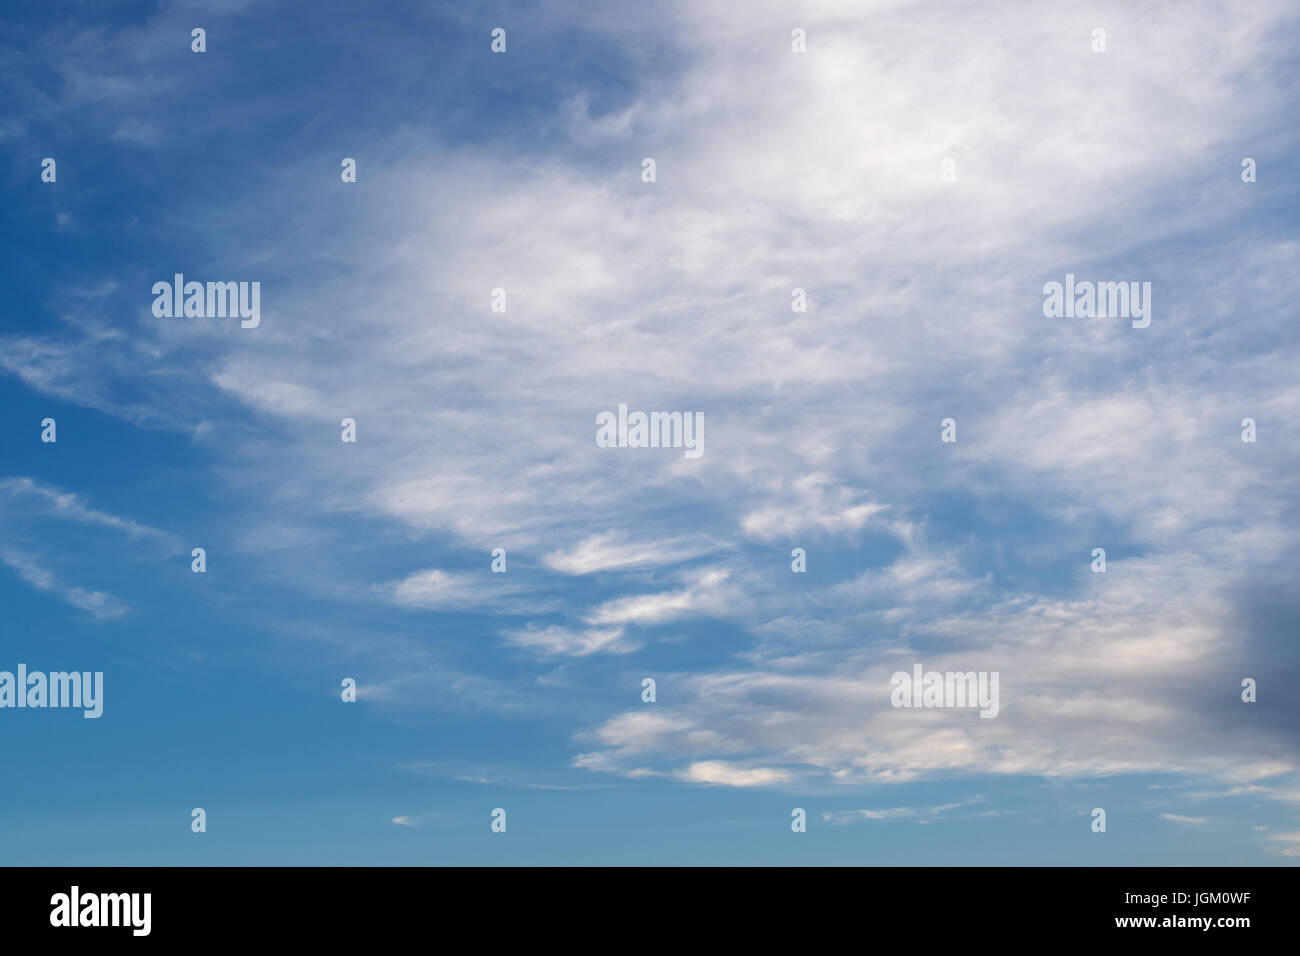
707 595
572 642
919 814
101 604
613 551
31 515
924 303
1184 820
70 506
1287 844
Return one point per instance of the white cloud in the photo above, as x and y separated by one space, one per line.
818 171
1288 844
812 504
27 508
1088 688
71 507
573 642
721 773
841 817
707 596
611 551
1187 821
434 588
101 604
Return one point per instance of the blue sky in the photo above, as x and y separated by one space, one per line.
522 690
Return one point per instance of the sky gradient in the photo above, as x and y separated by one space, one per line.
775 170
